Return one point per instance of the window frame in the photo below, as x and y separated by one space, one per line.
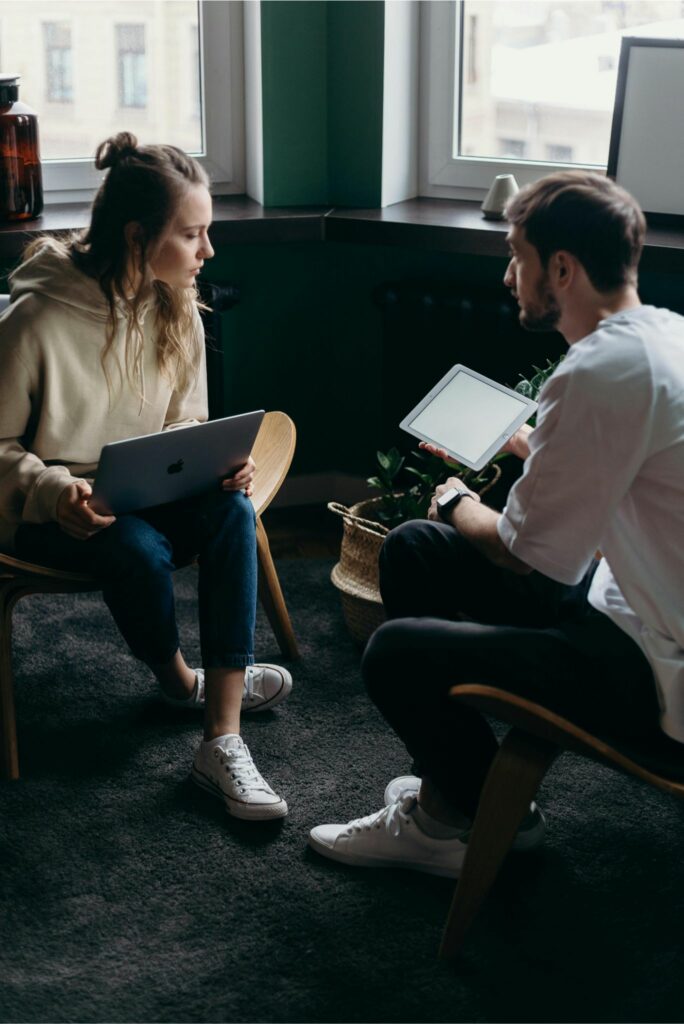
223 123
442 174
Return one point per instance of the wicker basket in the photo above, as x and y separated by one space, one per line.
356 573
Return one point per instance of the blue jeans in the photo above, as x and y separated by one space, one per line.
135 557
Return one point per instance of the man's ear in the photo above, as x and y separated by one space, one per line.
562 267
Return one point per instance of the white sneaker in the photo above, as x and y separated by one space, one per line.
529 836
265 686
390 838
224 767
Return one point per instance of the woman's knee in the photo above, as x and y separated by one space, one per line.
131 547
231 511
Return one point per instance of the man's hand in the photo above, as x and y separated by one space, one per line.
519 443
441 453
241 479
74 516
453 481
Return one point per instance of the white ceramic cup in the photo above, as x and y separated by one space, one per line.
502 189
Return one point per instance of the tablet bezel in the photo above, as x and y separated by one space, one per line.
522 417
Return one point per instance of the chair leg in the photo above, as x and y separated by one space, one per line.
512 783
271 596
9 754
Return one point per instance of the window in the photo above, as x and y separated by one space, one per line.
131 65
471 50
167 71
503 80
559 154
58 76
196 78
514 148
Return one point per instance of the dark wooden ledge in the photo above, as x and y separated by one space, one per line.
441 224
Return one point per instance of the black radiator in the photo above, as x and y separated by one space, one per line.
219 299
427 327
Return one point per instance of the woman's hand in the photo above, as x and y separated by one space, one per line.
242 479
74 516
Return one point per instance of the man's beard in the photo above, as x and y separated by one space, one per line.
545 314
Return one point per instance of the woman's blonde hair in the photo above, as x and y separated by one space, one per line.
144 184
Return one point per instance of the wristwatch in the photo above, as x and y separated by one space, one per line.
449 500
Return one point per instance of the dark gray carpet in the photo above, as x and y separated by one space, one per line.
129 895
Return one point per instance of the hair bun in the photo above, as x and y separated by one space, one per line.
116 148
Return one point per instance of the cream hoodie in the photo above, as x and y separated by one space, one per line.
56 412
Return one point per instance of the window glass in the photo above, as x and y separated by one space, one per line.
538 77
58 78
90 68
131 65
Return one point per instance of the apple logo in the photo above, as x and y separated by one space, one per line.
175 467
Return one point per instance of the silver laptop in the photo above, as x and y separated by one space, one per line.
157 468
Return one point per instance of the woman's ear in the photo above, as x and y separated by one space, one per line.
133 236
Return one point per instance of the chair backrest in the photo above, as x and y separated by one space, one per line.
273 451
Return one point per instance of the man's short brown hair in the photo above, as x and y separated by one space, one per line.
587 215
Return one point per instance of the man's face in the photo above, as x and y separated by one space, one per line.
529 283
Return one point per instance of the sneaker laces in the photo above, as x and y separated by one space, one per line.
394 817
238 761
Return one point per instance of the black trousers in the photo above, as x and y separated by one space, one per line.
454 617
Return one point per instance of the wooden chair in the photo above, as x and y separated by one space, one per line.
528 750
273 451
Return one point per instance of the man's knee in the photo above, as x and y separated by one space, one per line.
383 666
406 544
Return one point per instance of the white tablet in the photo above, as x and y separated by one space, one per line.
469 415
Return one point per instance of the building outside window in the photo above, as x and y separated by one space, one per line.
514 148
131 65
58 62
196 76
508 78
559 154
177 78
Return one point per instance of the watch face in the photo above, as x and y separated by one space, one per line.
448 497
448 500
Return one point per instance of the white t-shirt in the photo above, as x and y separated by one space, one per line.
606 472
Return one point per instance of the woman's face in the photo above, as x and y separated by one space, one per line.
185 245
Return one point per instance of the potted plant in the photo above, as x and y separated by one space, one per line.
405 493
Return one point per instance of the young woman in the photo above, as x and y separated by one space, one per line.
103 341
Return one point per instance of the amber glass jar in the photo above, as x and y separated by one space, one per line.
21 182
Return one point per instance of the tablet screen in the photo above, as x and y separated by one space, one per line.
468 415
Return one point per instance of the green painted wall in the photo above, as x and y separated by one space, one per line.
322 80
356 40
294 77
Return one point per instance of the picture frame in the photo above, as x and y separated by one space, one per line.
646 152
